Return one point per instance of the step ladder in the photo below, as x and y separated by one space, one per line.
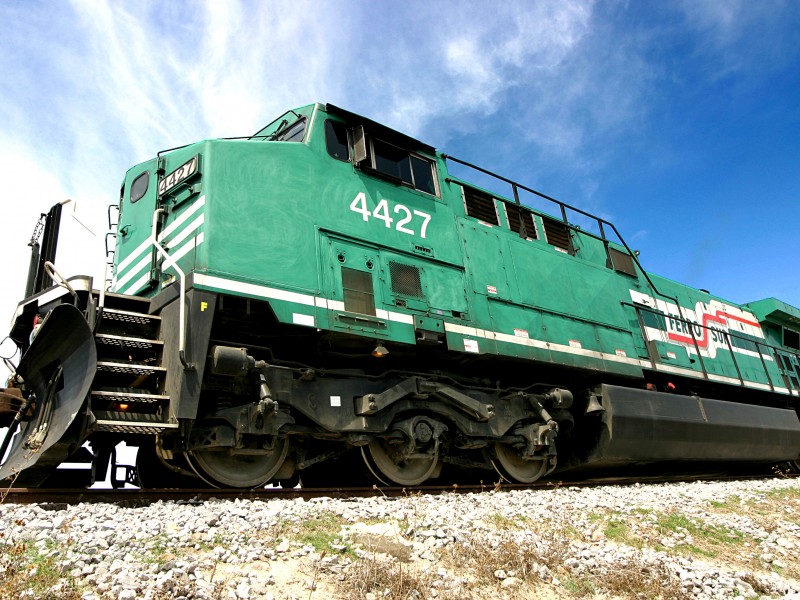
127 394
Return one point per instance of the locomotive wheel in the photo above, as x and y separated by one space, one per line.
514 468
220 468
389 465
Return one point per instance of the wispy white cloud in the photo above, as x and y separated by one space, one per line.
473 57
737 35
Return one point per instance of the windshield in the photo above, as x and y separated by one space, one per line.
289 127
290 133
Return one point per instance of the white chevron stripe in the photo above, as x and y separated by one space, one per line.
123 275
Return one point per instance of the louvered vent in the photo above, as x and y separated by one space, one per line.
622 262
520 221
481 206
557 234
359 296
405 279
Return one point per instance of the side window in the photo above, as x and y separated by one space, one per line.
391 160
409 168
139 187
422 172
394 162
336 140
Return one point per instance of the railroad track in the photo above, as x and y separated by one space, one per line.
58 498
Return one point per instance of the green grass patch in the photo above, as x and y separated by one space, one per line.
322 534
579 587
706 539
595 517
731 503
500 521
784 493
617 530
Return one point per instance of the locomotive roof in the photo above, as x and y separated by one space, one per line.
381 130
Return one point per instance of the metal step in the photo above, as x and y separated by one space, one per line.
125 316
124 302
124 422
108 366
127 397
135 427
127 342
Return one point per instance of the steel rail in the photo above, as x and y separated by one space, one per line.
57 499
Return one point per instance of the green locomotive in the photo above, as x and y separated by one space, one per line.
324 295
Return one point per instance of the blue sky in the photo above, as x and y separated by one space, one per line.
678 121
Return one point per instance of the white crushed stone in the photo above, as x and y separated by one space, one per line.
224 549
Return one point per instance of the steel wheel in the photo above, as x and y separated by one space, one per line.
514 468
390 466
221 468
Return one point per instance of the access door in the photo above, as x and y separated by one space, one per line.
134 258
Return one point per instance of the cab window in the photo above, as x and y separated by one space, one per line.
336 140
394 162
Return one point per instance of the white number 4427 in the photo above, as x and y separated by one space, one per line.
382 212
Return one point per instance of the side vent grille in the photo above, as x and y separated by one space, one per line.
622 262
557 234
359 296
405 279
481 206
520 221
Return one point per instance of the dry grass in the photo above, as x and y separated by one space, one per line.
478 568
381 577
25 567
470 570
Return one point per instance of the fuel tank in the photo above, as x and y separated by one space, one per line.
641 426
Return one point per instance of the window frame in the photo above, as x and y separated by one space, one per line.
146 175
365 158
372 158
288 127
331 123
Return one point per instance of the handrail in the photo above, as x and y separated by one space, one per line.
182 306
58 278
102 299
563 208
728 335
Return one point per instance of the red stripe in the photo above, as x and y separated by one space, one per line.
702 342
745 321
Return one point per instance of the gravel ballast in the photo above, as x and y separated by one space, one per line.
692 540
